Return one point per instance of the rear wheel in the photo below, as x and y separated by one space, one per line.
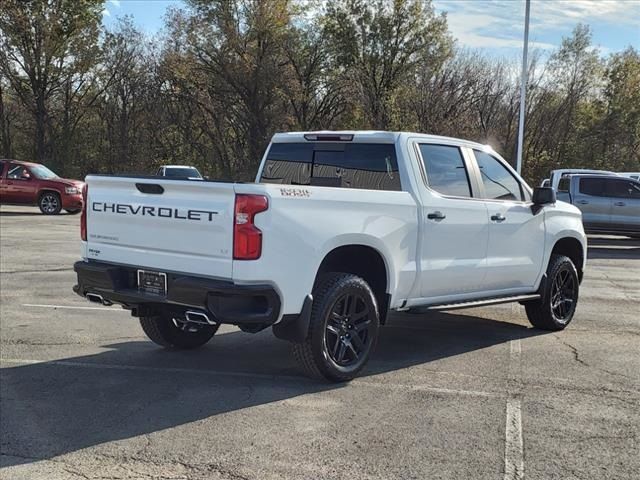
176 333
50 203
343 329
559 296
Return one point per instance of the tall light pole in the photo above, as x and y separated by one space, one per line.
523 87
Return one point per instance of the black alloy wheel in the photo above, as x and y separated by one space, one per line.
558 300
564 293
347 334
343 328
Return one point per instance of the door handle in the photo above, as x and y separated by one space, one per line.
619 204
498 217
583 202
436 216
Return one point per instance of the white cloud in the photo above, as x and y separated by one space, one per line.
106 12
500 23
555 13
468 29
115 3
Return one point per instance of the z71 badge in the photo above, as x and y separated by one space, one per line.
295 192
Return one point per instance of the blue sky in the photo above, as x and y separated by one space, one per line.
493 26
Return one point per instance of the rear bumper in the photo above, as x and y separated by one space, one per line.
224 301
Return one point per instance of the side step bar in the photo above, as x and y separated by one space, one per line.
480 303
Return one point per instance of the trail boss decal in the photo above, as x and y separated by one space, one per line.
295 192
147 211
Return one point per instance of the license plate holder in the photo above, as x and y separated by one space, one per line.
153 283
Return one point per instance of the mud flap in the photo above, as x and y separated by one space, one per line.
295 328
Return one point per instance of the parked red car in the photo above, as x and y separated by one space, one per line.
25 183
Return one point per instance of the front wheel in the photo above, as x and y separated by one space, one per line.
559 296
50 203
176 333
343 328
73 211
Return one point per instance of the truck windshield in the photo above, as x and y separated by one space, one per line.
185 172
371 166
42 172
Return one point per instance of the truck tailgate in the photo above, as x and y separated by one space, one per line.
166 225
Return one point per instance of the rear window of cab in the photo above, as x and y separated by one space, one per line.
371 166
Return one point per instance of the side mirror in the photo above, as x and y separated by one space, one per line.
543 196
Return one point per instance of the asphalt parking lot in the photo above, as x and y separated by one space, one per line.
473 395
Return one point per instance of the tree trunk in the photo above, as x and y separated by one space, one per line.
41 131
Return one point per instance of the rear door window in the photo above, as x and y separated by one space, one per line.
592 186
17 172
446 171
343 165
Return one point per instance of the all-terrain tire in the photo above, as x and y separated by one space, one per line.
555 309
314 353
162 330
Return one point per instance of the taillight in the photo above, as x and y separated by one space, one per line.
247 238
83 215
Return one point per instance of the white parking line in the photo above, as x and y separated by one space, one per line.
515 349
514 447
70 307
138 368
513 443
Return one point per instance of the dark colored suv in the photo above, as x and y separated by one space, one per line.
25 183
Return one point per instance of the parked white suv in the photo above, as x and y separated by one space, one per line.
338 229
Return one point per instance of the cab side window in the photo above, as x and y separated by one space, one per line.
563 184
592 186
17 172
499 183
446 171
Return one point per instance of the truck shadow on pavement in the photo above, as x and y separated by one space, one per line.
613 248
134 388
34 213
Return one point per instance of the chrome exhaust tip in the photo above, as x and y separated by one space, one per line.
95 298
201 318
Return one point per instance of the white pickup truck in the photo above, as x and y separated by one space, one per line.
338 229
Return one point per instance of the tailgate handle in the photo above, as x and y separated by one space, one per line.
152 188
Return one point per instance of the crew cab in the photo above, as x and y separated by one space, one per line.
26 183
609 204
338 229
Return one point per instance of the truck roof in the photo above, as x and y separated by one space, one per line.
368 136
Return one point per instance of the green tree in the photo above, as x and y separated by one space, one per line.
379 46
237 47
620 131
42 44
